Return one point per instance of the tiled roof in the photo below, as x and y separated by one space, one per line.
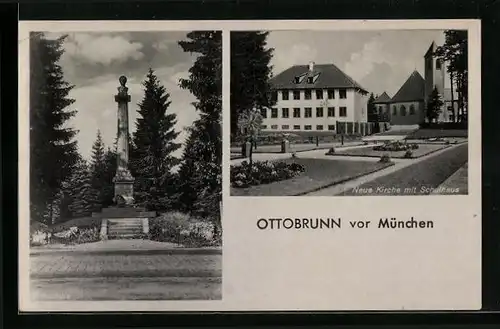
384 98
328 76
412 90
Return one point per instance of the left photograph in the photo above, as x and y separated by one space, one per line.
125 165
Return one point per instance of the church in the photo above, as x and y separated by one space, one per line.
407 106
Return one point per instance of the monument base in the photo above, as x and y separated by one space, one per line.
124 193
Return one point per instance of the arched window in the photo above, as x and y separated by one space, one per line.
412 109
394 110
402 110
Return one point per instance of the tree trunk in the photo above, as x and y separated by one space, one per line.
452 99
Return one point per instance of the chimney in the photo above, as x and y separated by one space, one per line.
311 66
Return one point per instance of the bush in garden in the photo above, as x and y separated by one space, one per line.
263 172
181 228
396 146
408 154
386 158
331 151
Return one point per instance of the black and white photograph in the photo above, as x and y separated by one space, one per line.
125 164
349 113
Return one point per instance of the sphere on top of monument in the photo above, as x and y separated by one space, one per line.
123 80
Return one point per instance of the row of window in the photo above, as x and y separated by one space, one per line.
298 127
319 93
285 112
402 110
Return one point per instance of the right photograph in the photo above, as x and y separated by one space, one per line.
349 113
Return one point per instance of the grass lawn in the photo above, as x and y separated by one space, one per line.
422 150
421 177
430 133
319 173
456 181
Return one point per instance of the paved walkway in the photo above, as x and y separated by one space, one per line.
340 189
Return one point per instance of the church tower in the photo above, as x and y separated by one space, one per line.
434 76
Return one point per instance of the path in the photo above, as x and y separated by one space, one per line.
395 176
101 271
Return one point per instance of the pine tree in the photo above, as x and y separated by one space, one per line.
154 143
53 151
250 74
200 173
373 116
108 190
97 168
83 197
434 106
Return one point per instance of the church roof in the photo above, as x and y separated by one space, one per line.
412 90
384 98
325 76
431 49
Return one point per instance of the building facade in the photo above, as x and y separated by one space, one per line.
314 98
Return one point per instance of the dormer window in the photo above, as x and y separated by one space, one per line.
300 78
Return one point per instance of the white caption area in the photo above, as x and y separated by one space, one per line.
349 268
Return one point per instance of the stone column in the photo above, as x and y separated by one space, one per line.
124 182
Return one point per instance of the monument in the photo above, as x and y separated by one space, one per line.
123 180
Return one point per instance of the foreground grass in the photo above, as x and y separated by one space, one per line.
421 177
423 149
319 173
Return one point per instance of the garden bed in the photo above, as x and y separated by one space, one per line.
318 174
423 149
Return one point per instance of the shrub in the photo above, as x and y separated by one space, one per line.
386 158
365 143
263 172
408 154
331 151
414 146
184 229
396 146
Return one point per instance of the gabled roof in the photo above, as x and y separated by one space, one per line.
384 98
412 90
328 76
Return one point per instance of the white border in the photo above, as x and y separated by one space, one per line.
25 304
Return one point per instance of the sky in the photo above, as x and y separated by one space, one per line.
378 60
93 62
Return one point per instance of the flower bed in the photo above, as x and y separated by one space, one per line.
263 172
183 229
396 147
73 235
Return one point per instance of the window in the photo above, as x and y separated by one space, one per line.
331 94
342 94
319 112
263 127
394 110
284 112
296 127
310 79
319 127
438 64
379 110
296 94
284 95
402 110
331 112
343 111
319 94
263 112
412 109
274 95
307 127
331 127
285 127
274 113
296 112
297 79
307 94
274 127
308 112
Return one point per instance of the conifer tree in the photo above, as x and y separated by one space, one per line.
434 105
200 173
108 190
373 116
53 149
83 197
154 143
97 168
250 74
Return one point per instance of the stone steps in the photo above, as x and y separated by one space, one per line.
125 228
126 212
